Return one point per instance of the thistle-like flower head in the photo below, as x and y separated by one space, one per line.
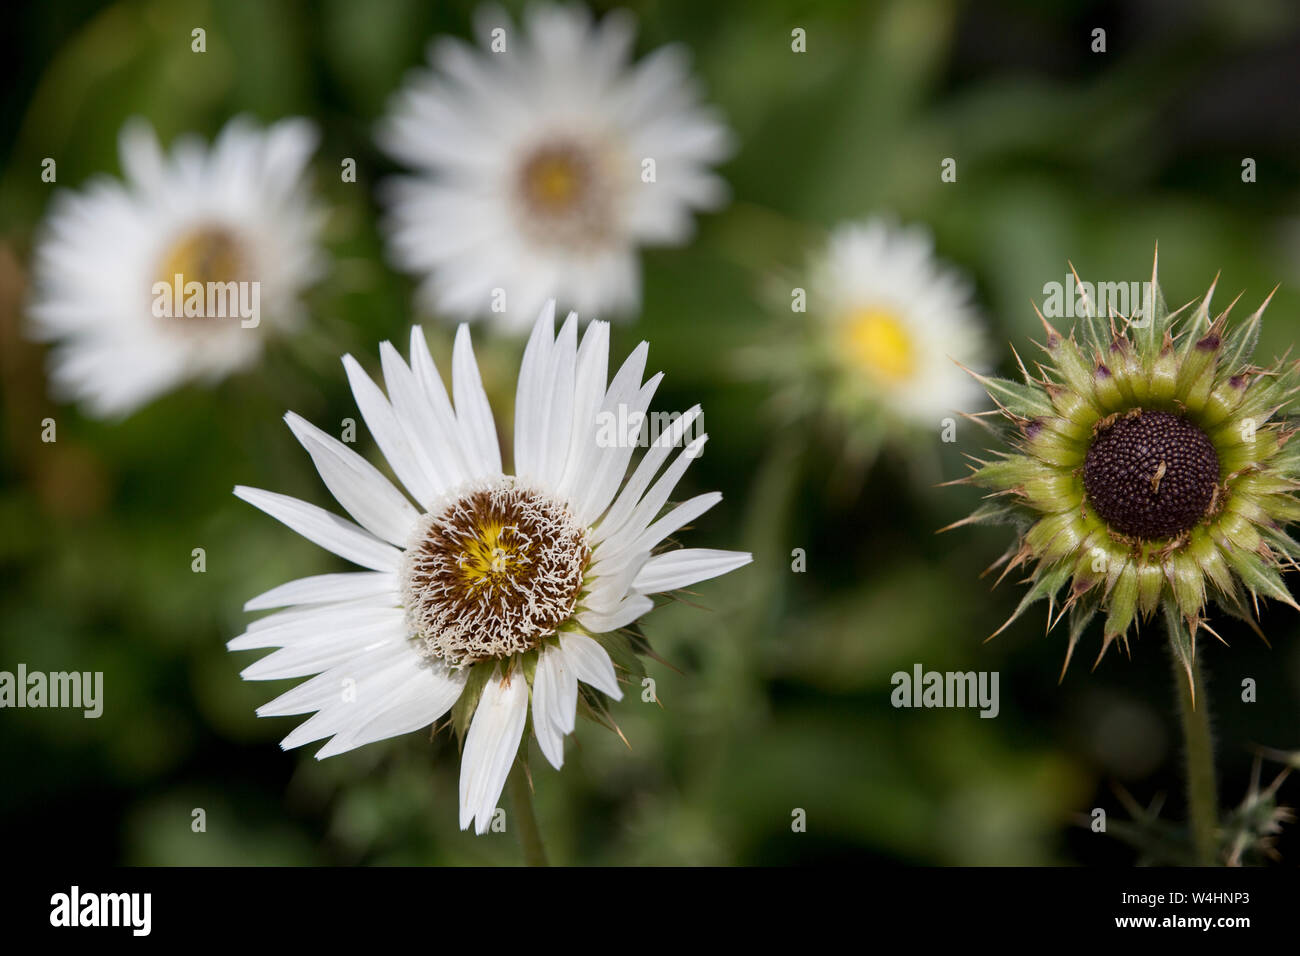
1147 466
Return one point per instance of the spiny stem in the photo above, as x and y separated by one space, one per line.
1202 791
525 821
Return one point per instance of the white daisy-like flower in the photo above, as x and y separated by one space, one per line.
542 162
236 219
491 590
893 319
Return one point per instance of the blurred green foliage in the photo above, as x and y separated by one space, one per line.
782 702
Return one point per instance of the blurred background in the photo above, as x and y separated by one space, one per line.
783 700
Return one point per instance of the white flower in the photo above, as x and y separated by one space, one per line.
893 320
235 213
487 571
531 165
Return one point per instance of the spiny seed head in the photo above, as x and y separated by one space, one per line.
1147 467
1151 475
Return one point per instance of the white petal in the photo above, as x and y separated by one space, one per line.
626 400
345 694
559 407
429 430
591 664
373 672
314 622
389 435
450 443
323 588
686 566
327 530
356 484
649 507
680 516
649 466
473 411
627 611
490 747
588 393
426 696
531 395
555 703
302 658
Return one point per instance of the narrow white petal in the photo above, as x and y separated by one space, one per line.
327 530
555 710
473 411
339 684
649 507
429 430
611 466
389 435
649 466
305 657
348 694
591 664
451 444
680 516
426 696
588 393
323 588
686 566
609 581
314 623
356 484
531 395
627 611
490 747
559 408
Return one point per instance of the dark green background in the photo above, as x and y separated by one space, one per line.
784 698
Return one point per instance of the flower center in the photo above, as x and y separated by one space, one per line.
1151 475
562 195
877 340
493 572
206 254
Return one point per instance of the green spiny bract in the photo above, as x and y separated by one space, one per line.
1224 539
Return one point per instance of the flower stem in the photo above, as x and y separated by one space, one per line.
1202 792
521 799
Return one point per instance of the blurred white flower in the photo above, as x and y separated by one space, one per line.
893 319
542 161
236 218
494 588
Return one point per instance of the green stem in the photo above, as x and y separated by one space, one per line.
1202 792
521 798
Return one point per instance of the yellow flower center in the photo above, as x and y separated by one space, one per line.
553 179
208 254
492 556
877 340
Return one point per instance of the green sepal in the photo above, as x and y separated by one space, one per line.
1024 401
462 712
1181 642
1122 601
1187 584
623 649
1151 585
